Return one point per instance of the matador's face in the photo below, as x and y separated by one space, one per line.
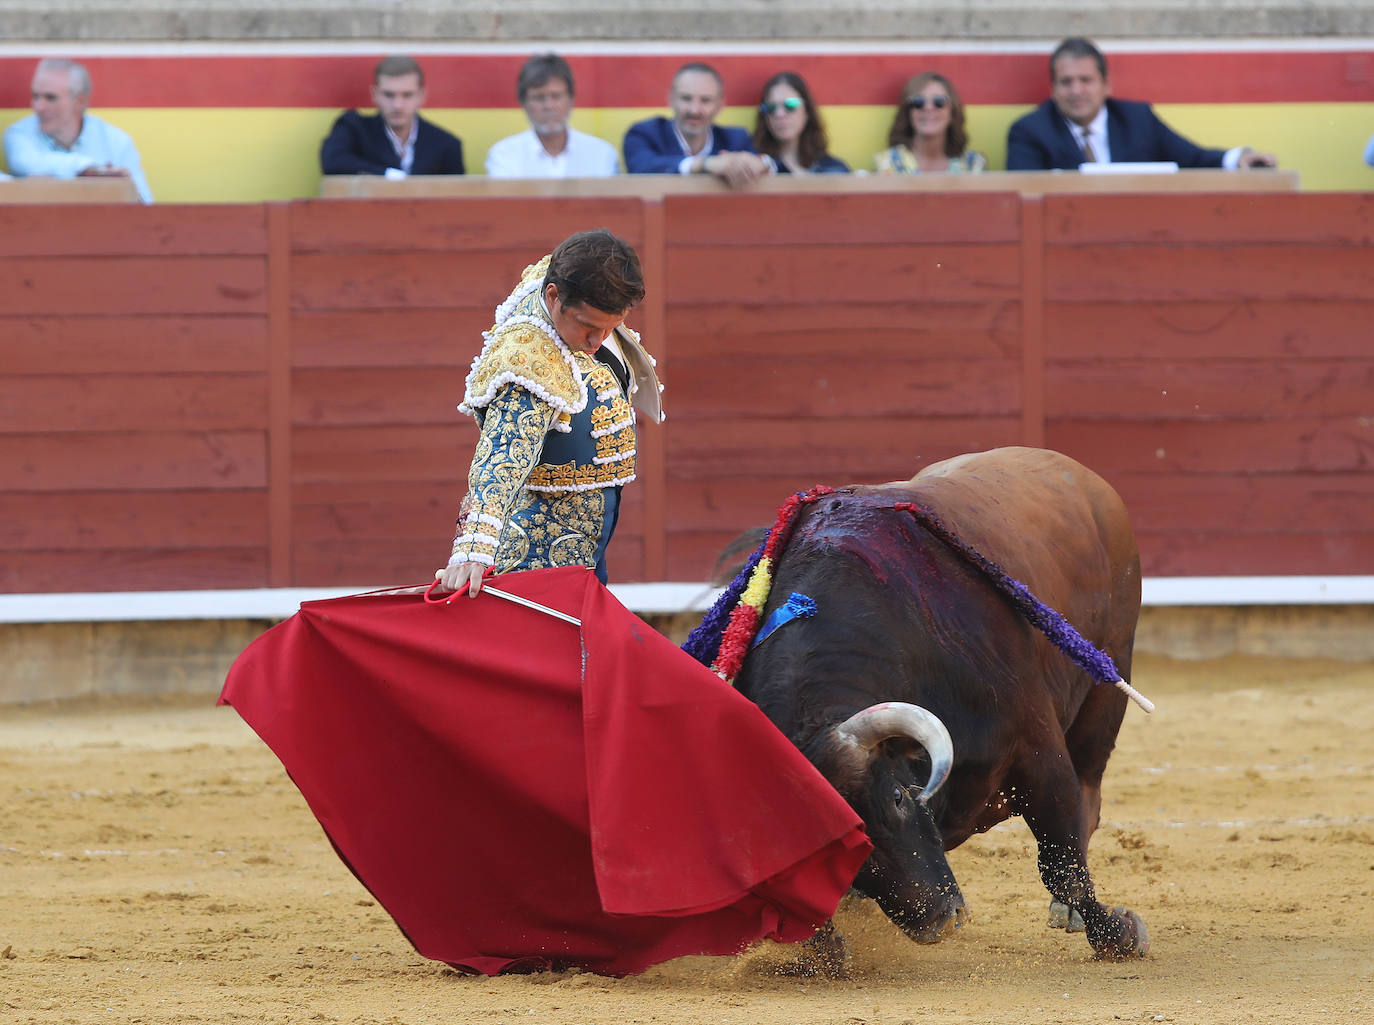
583 328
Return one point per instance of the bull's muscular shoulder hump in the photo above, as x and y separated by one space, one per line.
1012 463
1009 484
1022 507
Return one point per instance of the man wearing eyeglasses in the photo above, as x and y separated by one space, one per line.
691 142
1081 124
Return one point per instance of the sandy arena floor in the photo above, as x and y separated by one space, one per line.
156 866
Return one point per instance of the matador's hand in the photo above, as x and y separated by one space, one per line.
464 575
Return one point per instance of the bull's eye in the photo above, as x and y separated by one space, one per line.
898 796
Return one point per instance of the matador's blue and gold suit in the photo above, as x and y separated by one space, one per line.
557 440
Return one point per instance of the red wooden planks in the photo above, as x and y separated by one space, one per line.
423 511
816 275
132 230
381 455
144 461
807 389
133 402
389 338
1190 272
1290 445
110 520
873 332
401 281
1239 552
836 220
1267 328
702 556
137 285
1292 218
1209 389
158 569
377 395
374 564
838 450
509 231
98 344
1272 503
1208 355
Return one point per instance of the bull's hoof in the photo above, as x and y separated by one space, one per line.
1128 938
824 955
941 931
1064 917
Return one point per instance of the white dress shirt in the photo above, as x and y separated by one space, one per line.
405 150
1095 133
524 156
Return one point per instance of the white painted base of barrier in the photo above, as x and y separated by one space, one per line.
645 599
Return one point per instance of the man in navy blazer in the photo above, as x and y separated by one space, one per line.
1080 124
396 141
691 142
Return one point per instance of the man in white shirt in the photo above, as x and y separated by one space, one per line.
61 139
550 147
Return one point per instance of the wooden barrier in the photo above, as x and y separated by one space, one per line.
262 395
94 189
652 186
1212 358
132 417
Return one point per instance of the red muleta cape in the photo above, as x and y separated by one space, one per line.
518 792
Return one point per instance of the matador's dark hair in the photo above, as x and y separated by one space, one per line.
596 268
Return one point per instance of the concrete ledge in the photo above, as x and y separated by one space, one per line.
542 20
1287 590
59 661
1342 632
64 660
645 599
277 603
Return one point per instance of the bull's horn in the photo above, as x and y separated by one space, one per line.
869 728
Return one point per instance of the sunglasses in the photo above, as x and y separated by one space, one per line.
919 102
791 103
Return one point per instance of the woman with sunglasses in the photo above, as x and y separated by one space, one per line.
928 131
789 128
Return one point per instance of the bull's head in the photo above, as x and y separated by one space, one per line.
872 759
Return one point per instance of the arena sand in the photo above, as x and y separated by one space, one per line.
157 866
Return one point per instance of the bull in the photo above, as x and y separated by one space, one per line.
928 700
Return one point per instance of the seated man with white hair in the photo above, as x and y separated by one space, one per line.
62 139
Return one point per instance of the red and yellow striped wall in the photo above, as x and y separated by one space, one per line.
244 124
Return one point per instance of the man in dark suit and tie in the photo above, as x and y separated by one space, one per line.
396 141
1081 124
690 142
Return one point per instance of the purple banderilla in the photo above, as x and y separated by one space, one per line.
1091 659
